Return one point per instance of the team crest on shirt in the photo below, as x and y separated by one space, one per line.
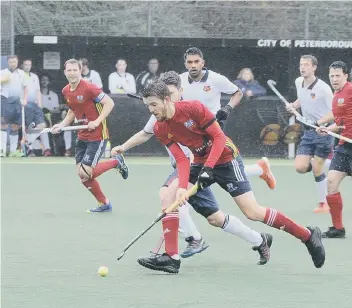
169 136
80 98
206 88
312 95
188 124
340 101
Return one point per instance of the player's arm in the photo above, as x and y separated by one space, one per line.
226 86
329 117
69 118
108 105
137 139
206 120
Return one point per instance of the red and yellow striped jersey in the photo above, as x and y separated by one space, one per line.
84 101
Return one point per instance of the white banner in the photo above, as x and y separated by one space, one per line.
51 60
304 44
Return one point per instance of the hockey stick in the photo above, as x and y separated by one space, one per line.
170 209
300 118
131 95
37 132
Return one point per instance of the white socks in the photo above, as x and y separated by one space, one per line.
234 226
327 163
68 140
186 222
3 141
253 170
322 187
13 142
44 138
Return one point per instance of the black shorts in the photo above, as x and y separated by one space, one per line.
204 202
89 152
342 159
33 114
11 110
230 176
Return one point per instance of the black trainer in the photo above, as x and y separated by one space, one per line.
163 263
264 248
334 233
315 247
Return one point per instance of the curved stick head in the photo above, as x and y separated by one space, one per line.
271 82
120 256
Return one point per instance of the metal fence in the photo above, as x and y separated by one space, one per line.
185 19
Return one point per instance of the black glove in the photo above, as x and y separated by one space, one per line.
45 110
223 113
206 177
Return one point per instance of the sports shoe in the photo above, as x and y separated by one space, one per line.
163 263
16 154
322 208
47 153
101 208
30 153
2 153
121 167
334 233
264 248
193 247
267 175
315 247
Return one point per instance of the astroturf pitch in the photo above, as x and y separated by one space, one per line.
52 248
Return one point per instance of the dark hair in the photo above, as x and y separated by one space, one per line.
26 59
339 64
158 89
121 59
193 51
84 61
73 61
312 58
171 78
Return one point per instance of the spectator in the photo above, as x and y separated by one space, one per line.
248 85
90 75
121 82
33 110
14 93
54 113
147 77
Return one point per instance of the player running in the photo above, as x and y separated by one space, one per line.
314 97
91 105
216 161
341 163
195 243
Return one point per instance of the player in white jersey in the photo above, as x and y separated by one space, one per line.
195 242
314 97
204 85
14 92
34 108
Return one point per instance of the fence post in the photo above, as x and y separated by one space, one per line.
150 20
12 30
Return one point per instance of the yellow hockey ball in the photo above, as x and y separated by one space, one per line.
103 271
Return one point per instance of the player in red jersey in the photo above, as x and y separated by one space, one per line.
216 160
90 105
341 163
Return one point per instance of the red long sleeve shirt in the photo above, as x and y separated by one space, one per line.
194 126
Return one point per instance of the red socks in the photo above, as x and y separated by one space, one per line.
170 229
335 204
103 167
94 187
279 221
